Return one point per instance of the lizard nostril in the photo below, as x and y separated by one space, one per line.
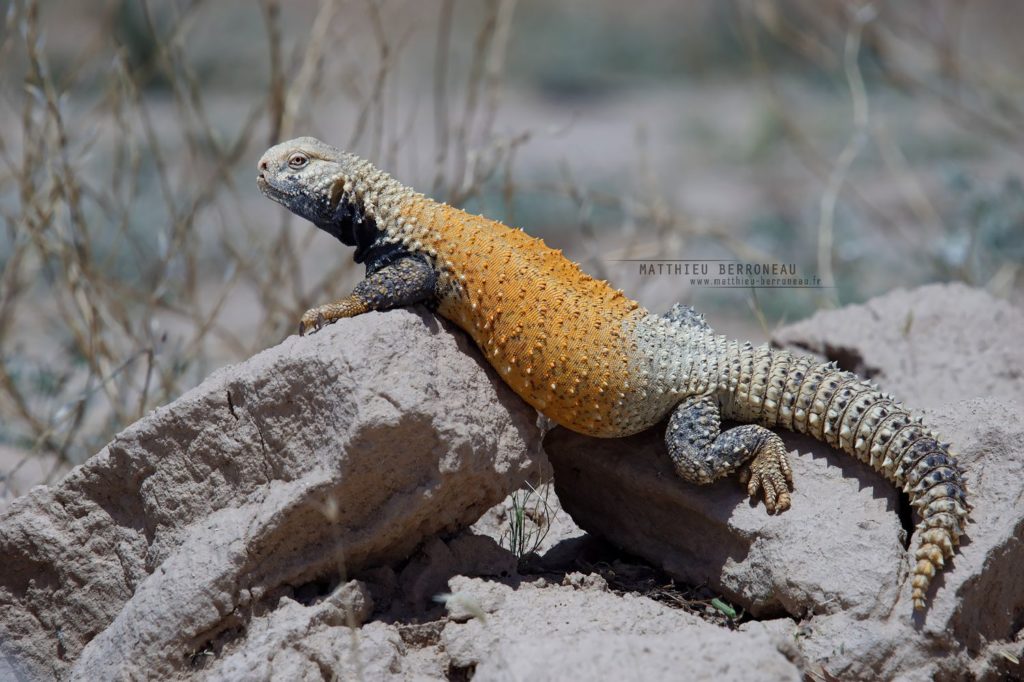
264 166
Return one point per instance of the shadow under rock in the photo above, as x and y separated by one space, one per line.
647 496
628 491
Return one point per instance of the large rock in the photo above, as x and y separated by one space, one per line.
957 352
835 559
321 456
837 548
977 606
935 345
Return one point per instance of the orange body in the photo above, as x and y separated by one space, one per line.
560 338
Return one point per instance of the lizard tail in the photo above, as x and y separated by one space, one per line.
839 408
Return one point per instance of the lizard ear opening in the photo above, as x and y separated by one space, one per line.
337 191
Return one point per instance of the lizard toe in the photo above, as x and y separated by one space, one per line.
770 474
772 489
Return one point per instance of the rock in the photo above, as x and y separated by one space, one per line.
322 456
978 601
956 351
837 548
710 653
834 560
563 632
426 575
934 345
296 642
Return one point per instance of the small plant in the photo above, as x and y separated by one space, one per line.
529 520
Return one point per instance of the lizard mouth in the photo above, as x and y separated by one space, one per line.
271 192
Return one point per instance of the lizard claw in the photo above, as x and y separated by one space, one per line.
771 475
312 321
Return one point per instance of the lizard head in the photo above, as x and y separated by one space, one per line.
324 185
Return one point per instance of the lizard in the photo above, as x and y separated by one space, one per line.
595 361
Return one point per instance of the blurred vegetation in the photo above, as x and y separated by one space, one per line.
876 145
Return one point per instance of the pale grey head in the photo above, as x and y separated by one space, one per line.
323 184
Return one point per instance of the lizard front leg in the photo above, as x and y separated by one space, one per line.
702 453
404 282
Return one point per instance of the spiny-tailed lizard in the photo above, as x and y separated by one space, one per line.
596 362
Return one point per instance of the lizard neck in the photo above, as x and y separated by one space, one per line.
366 209
350 225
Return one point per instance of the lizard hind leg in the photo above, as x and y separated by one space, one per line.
702 453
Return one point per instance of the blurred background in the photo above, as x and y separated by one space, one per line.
871 145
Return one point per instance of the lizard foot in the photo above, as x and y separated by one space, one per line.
312 321
315 319
770 474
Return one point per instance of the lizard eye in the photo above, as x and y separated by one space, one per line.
297 160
